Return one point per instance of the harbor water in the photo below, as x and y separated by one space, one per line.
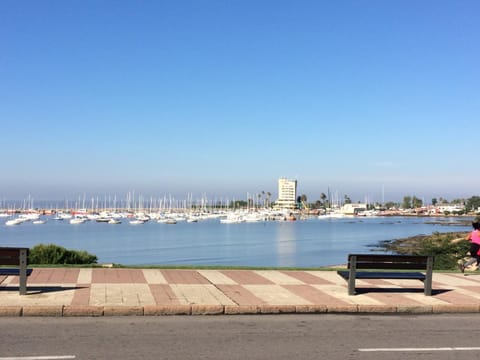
305 243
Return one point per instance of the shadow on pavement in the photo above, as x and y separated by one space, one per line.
366 290
33 290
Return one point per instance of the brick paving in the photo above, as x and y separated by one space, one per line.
110 291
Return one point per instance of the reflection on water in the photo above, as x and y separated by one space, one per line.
286 244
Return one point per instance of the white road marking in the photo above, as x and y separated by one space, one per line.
39 357
419 349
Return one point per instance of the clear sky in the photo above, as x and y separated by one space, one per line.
223 97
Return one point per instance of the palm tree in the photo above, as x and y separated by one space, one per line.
268 198
302 199
323 197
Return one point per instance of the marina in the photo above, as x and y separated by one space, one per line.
207 240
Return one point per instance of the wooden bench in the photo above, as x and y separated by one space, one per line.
377 264
19 258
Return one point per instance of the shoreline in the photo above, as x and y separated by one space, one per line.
406 245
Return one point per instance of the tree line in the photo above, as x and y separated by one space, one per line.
264 199
471 204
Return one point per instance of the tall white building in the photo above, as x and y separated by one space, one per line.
287 194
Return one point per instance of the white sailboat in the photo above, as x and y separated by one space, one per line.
137 222
77 220
16 221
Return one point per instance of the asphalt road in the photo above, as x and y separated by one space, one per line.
243 337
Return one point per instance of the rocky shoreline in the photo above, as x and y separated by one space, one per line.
412 243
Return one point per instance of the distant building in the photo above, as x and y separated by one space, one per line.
451 208
353 209
287 194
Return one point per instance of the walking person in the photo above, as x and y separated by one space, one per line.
474 238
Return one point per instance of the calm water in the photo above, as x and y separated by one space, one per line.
307 243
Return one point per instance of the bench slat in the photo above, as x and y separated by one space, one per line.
10 271
384 275
409 262
385 257
9 256
390 266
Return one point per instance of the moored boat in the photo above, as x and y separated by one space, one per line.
137 222
16 221
77 220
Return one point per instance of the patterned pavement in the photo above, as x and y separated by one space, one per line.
109 291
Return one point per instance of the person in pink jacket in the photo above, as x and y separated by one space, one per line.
474 238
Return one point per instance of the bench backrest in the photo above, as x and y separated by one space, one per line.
377 261
11 256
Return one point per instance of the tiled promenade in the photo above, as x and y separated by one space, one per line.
105 292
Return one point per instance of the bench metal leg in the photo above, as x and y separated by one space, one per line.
352 274
428 277
23 272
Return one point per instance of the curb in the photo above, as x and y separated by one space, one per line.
196 309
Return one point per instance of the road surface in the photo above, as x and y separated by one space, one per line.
265 337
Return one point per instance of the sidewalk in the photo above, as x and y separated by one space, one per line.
106 292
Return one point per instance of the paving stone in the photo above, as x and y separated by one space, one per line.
380 309
472 308
241 309
97 292
123 311
156 310
278 309
309 309
417 309
55 311
342 309
10 311
207 309
79 310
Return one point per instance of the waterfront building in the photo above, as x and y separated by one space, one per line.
451 208
287 194
353 209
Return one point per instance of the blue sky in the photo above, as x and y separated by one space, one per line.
225 97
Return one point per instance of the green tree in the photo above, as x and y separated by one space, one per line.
389 204
407 202
473 204
434 201
416 202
